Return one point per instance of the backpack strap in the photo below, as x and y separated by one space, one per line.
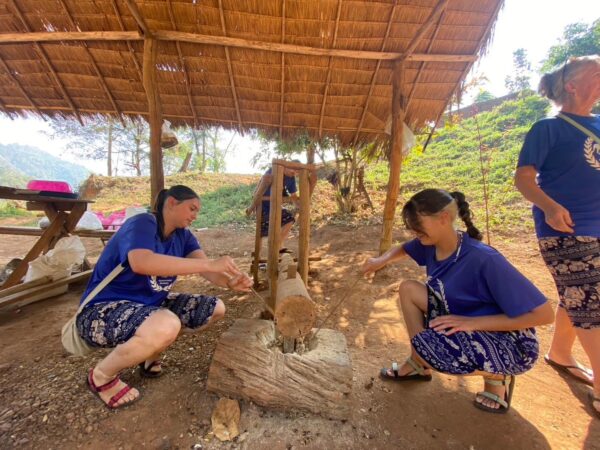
580 127
111 276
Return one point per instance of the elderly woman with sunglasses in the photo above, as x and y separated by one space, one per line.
475 314
559 172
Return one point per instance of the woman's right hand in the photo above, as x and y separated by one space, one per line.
559 218
224 264
372 265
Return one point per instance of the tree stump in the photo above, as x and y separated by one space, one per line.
249 364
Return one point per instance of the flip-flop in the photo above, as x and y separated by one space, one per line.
592 400
147 372
504 403
418 374
115 398
567 370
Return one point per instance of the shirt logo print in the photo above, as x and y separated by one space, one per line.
156 287
591 152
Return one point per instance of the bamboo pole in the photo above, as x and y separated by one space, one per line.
304 219
257 245
274 230
157 180
395 157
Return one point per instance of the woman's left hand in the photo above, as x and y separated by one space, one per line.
451 324
241 282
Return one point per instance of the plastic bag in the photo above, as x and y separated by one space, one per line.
58 262
89 221
167 137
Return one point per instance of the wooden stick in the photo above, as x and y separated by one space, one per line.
304 220
274 230
24 286
257 245
293 164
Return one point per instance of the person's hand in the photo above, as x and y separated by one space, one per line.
559 219
371 265
451 324
240 283
225 264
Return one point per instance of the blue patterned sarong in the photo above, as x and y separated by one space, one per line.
499 352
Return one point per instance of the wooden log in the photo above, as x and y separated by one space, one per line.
274 231
25 286
246 364
395 158
304 224
295 312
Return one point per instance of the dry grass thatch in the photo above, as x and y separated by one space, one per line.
213 67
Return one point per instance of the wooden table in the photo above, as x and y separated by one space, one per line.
64 214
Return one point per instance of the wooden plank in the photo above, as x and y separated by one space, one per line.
293 164
257 245
31 231
157 180
304 225
282 87
69 36
37 293
230 68
25 286
274 230
139 19
53 229
393 186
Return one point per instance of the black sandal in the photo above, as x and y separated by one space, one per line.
505 402
147 372
418 374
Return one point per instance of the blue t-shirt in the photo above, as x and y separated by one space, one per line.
289 188
568 166
480 282
138 232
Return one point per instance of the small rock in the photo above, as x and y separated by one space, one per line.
4 367
45 418
89 429
386 432
4 427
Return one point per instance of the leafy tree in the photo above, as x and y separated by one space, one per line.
579 39
522 72
203 149
483 96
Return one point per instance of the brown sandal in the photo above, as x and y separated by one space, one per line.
115 398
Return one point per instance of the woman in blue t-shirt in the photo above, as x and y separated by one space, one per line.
135 313
559 172
474 314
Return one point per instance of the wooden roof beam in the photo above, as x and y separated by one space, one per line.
374 77
229 67
15 80
432 19
139 19
46 59
129 46
282 70
188 85
328 80
95 66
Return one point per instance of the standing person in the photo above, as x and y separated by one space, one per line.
289 190
563 152
135 313
475 314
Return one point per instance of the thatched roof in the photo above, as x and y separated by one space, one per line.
323 66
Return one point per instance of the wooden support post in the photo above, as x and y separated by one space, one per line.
395 157
157 181
304 219
257 245
274 230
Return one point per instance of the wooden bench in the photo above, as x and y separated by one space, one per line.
104 235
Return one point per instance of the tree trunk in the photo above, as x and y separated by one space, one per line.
109 152
186 163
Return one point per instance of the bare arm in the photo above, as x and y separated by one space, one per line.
555 214
392 255
238 282
450 324
146 262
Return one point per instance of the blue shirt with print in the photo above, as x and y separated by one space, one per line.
138 232
568 166
480 282
289 188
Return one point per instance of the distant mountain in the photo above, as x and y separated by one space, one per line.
20 163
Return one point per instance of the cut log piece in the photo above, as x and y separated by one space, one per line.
295 312
249 364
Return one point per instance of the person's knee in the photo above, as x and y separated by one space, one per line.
408 290
165 329
219 311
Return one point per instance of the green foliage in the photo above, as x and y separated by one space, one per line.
225 206
483 96
521 74
32 163
579 39
452 161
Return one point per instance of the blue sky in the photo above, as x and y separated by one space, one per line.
534 25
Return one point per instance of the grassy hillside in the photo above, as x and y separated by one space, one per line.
452 162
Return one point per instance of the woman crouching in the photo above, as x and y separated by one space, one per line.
474 314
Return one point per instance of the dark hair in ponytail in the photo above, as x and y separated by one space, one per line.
429 202
180 193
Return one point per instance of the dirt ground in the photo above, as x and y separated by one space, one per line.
44 402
